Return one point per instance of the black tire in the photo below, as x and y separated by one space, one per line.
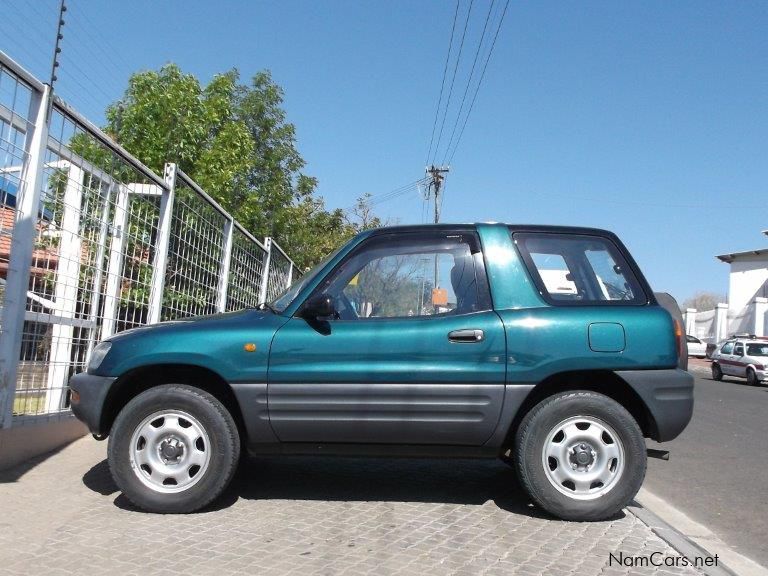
752 377
717 372
223 446
532 436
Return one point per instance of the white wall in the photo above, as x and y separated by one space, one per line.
748 280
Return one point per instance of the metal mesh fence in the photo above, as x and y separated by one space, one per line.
194 254
15 122
90 274
246 271
15 98
280 271
101 259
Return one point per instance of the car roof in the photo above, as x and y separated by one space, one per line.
445 227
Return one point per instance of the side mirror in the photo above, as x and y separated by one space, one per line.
319 306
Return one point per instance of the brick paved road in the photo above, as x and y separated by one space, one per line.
304 516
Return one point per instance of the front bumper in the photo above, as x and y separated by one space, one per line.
668 396
90 393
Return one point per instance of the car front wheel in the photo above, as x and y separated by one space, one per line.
717 372
173 449
580 455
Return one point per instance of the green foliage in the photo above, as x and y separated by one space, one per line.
235 141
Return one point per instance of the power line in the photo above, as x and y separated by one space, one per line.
480 82
469 80
453 79
375 199
442 84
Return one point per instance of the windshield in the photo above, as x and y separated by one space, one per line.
285 298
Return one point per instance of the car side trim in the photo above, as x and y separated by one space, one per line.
252 398
514 396
668 396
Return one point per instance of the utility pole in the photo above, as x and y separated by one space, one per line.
59 38
434 186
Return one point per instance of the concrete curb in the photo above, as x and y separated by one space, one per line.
35 436
690 538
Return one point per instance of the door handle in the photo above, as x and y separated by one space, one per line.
467 335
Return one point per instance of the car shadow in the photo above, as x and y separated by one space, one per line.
741 382
346 479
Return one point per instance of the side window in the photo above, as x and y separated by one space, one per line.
727 348
693 340
402 275
739 350
579 269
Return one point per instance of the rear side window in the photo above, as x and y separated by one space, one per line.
579 269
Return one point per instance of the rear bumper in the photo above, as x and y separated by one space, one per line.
88 402
668 396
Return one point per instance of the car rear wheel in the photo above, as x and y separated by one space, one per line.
717 372
580 456
751 377
173 449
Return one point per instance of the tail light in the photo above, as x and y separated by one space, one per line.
681 344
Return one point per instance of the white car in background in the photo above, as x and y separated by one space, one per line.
742 357
696 347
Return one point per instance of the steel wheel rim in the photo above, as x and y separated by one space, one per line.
170 451
583 457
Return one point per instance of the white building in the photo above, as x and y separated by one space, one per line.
747 290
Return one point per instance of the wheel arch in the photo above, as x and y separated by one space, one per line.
143 378
604 382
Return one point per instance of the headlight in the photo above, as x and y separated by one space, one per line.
98 354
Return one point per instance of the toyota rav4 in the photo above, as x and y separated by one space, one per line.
544 346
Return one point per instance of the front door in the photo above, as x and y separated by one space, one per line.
413 355
727 359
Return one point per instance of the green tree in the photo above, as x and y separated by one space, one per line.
235 141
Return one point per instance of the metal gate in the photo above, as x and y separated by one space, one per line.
93 242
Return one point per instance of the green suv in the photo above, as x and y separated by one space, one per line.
544 346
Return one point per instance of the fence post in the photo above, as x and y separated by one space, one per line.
226 259
290 274
265 270
161 248
93 313
721 322
66 287
760 308
690 321
119 234
22 245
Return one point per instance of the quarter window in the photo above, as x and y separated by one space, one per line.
757 349
579 269
739 351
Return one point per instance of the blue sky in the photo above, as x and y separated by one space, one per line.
647 118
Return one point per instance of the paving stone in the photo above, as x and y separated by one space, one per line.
64 516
